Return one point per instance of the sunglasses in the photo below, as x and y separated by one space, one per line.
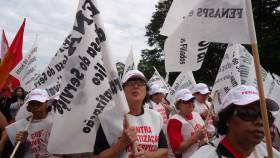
135 82
250 114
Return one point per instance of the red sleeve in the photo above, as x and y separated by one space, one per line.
174 133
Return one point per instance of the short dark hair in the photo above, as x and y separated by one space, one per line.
224 117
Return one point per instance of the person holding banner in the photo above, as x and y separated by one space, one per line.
186 130
201 93
115 137
240 126
40 121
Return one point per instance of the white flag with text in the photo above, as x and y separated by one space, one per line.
26 69
89 83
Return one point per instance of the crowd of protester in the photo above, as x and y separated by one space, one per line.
187 128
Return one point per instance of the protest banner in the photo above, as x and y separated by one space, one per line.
157 79
4 45
25 71
129 63
178 10
184 80
89 83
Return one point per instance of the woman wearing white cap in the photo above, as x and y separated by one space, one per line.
157 94
241 124
201 93
186 130
40 121
114 139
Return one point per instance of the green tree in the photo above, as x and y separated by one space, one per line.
267 22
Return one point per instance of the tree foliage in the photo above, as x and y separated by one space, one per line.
267 23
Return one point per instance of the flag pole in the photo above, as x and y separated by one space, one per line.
19 142
262 100
254 47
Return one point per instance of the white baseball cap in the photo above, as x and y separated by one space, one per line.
243 95
133 74
40 95
202 88
183 94
155 88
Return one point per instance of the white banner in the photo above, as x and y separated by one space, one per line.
223 21
4 45
157 79
228 75
237 68
178 10
184 80
248 73
26 69
129 63
275 90
183 54
89 83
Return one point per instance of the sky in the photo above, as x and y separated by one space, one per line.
52 20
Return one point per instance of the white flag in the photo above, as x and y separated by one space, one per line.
4 45
223 21
26 69
178 10
157 79
248 73
275 90
237 68
228 75
89 84
183 54
184 80
129 63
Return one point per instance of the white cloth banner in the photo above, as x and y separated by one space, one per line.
248 73
4 45
184 80
178 10
129 63
223 21
26 69
51 77
237 68
183 54
157 79
228 75
275 90
89 84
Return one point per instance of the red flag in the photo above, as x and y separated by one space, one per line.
11 59
4 45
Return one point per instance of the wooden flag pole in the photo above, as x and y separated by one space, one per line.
262 100
18 143
134 144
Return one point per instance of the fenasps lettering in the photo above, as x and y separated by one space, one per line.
233 13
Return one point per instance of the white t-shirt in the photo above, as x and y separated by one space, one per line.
35 132
148 127
209 151
160 108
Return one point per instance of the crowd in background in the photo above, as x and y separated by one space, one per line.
189 127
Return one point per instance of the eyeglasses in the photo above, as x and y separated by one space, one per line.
250 114
135 82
